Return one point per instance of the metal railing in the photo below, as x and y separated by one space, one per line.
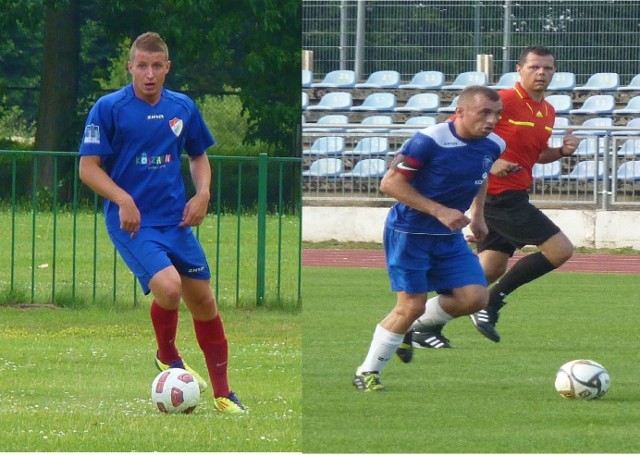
56 249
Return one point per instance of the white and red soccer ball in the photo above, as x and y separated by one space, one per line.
175 391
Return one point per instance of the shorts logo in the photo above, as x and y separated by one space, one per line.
196 269
176 126
92 134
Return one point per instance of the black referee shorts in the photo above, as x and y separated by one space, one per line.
514 222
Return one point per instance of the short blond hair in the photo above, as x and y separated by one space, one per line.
149 42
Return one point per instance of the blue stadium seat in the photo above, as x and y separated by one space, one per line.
629 148
561 103
595 122
632 107
633 123
634 85
629 171
325 167
560 125
419 122
451 108
368 168
466 79
601 82
381 79
378 120
337 79
333 101
307 78
547 171
562 81
507 80
425 80
331 119
370 146
326 146
421 102
596 105
590 146
586 170
380 102
305 100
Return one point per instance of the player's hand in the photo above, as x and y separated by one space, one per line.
195 211
129 218
452 218
502 167
570 143
479 230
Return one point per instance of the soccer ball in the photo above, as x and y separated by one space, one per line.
582 380
175 391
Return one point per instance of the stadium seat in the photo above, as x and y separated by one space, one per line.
381 79
562 81
379 120
547 171
560 125
586 170
331 119
594 122
597 105
590 146
629 148
425 80
466 79
368 168
451 108
326 146
337 79
420 122
561 103
601 82
333 101
305 100
307 78
629 171
370 146
507 80
421 102
325 167
632 107
634 85
633 123
380 102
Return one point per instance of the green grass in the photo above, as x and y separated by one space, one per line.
79 380
71 261
480 396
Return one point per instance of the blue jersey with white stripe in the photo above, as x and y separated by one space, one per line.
141 145
450 171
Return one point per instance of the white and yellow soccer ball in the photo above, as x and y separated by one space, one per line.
175 391
582 380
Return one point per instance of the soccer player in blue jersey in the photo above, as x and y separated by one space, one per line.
439 175
131 156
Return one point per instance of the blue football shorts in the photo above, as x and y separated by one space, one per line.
155 248
419 263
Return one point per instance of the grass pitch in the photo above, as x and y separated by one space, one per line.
481 396
80 380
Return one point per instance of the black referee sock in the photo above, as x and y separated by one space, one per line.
526 269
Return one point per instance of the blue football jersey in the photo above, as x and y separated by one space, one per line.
141 145
450 171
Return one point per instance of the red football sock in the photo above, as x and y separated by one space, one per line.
213 342
165 326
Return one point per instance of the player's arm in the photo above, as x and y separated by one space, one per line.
478 226
569 145
196 208
396 183
93 175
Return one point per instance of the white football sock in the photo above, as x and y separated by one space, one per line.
383 347
433 315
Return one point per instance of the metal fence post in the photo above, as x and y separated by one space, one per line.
263 167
